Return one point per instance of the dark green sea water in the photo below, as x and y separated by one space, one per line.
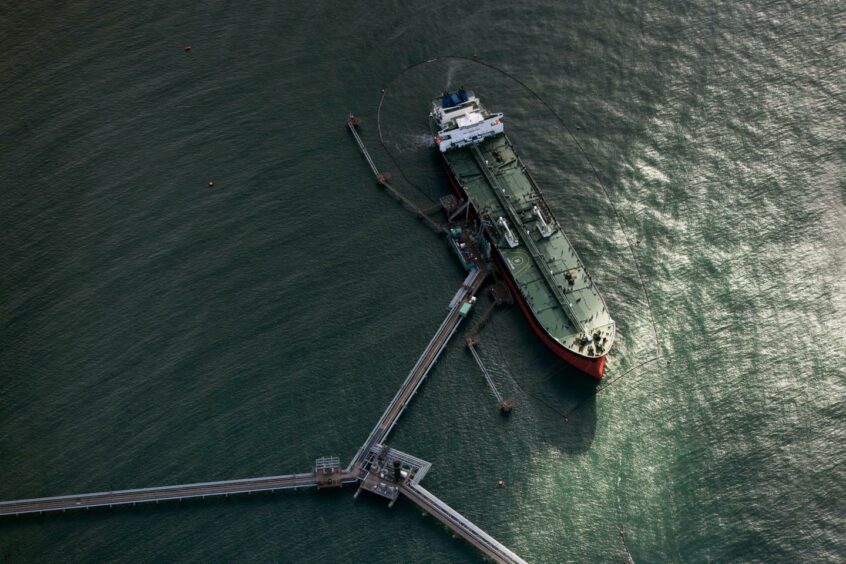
155 331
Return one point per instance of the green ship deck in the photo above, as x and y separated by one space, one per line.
544 265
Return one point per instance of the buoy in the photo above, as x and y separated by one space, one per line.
501 483
187 48
211 183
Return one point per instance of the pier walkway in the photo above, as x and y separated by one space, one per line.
166 493
459 524
384 179
485 373
421 369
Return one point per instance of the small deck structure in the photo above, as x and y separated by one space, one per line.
386 469
328 472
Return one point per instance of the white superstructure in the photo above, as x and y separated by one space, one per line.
462 120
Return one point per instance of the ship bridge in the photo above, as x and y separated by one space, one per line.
461 120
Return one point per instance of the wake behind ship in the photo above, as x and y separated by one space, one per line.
552 287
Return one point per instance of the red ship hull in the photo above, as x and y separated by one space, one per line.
593 367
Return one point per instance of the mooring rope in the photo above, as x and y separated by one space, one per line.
561 121
564 414
385 147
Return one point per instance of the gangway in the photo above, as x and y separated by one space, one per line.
459 524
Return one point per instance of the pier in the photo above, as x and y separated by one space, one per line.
376 468
421 369
384 178
459 524
499 296
505 405
167 493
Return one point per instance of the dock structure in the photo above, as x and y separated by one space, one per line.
505 405
385 469
169 493
499 296
459 524
424 364
388 473
384 178
378 468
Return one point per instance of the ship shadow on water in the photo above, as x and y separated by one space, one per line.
567 414
562 400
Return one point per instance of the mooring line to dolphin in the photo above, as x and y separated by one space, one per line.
565 414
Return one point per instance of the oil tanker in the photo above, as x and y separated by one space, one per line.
529 248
